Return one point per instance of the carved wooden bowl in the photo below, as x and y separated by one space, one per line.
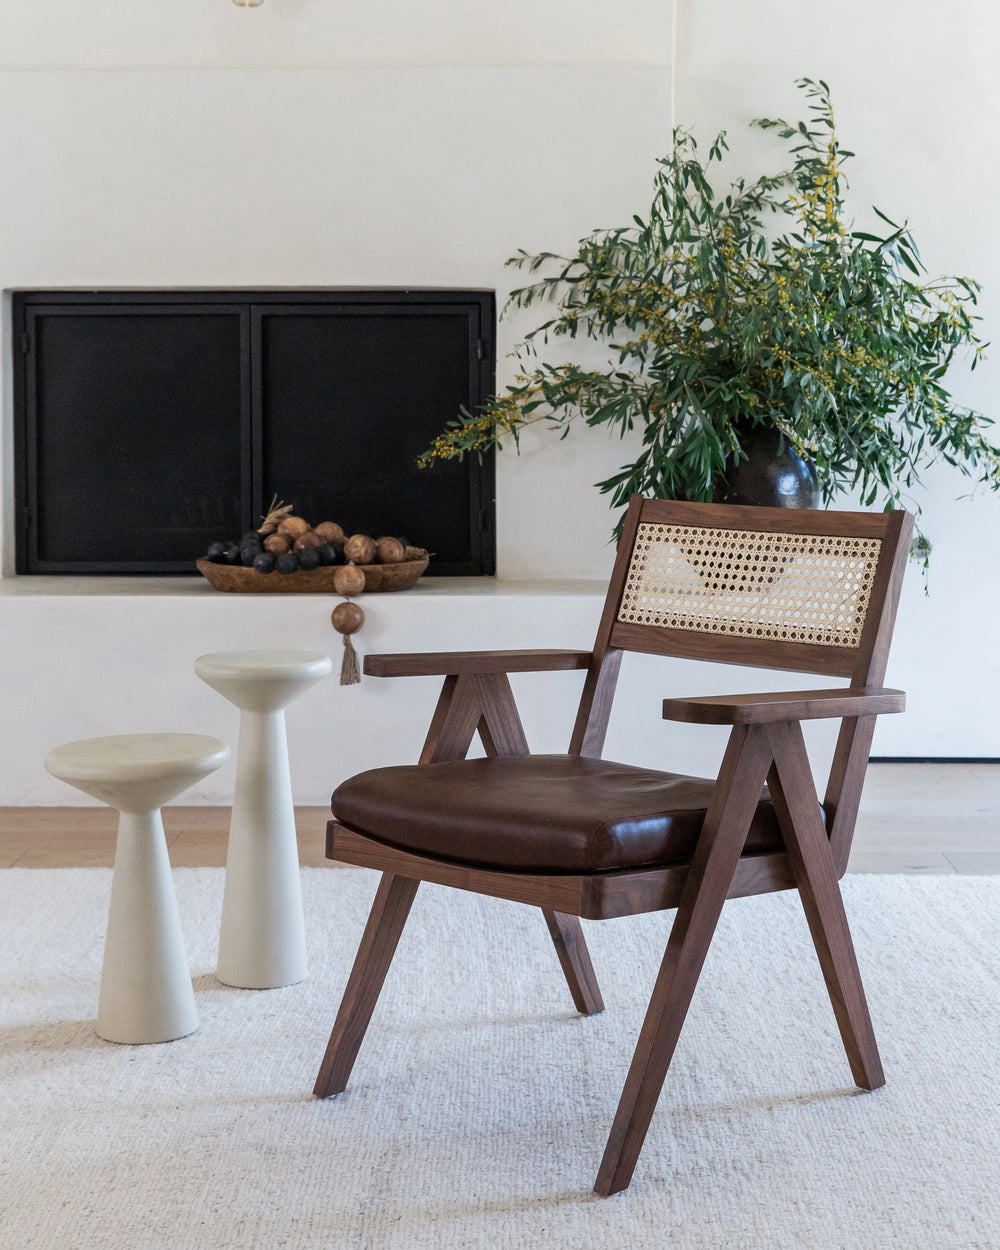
309 581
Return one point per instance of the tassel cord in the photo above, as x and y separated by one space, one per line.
350 669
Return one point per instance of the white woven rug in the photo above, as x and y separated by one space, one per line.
480 1103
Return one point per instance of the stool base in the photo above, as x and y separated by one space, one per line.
146 992
262 941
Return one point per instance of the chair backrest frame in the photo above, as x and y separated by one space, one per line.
863 663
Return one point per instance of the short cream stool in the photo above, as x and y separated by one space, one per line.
146 993
262 936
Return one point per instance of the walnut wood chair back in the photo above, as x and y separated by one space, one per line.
768 588
780 588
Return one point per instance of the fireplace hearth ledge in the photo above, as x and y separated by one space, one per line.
90 655
74 586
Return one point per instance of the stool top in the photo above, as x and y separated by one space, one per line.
262 681
252 664
136 771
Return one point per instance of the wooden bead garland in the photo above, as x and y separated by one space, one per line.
348 580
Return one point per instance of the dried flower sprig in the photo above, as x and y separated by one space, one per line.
276 513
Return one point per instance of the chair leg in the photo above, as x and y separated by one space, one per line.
378 945
571 947
808 848
736 795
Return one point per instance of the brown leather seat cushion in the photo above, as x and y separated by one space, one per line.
538 813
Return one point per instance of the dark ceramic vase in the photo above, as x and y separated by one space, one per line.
772 476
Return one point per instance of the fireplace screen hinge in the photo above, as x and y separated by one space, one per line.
480 349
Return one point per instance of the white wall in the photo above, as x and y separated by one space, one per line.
420 143
294 34
310 143
395 143
917 96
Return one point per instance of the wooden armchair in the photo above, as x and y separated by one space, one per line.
579 836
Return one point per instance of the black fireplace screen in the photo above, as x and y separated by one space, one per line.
148 425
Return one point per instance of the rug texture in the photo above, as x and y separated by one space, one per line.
481 1102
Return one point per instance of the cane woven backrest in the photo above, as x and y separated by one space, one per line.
769 587
751 584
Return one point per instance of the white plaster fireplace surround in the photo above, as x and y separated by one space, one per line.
400 143
396 143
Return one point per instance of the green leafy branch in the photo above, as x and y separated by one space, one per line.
756 305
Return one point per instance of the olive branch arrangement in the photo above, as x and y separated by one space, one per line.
755 305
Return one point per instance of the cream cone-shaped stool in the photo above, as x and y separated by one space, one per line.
146 993
262 936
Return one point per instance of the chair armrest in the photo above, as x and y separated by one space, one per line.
453 663
758 709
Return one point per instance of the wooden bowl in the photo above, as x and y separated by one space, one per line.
319 581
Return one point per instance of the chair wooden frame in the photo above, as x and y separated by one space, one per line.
765 745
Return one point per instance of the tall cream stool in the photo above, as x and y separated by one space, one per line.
262 936
146 993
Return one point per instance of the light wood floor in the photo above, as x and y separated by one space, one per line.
84 837
915 818
935 818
